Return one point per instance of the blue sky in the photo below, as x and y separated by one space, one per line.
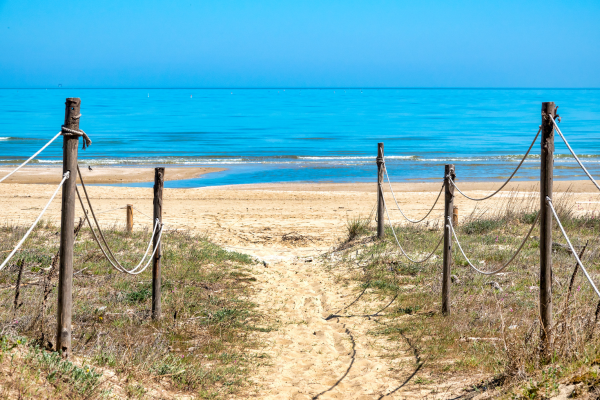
305 43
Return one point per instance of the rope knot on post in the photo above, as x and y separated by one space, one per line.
79 133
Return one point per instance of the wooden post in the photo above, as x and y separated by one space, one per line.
380 208
159 181
546 178
455 216
448 210
67 223
129 223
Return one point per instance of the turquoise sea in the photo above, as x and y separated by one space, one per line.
283 135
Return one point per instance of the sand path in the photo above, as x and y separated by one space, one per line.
313 356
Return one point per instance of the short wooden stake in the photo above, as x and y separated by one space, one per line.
67 224
546 178
455 216
129 223
380 208
159 181
448 214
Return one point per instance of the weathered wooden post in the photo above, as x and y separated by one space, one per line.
67 223
380 207
455 216
448 211
129 223
159 181
546 178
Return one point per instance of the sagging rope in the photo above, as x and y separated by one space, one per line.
144 214
509 178
449 226
114 262
65 177
400 246
573 153
111 210
549 201
63 131
396 201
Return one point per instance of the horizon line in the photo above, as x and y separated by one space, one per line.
304 88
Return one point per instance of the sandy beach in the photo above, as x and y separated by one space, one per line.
288 225
290 215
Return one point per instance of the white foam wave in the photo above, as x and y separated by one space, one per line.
324 160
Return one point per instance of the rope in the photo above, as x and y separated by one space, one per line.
549 201
63 131
505 265
396 201
112 209
141 212
65 177
399 245
574 155
509 178
77 132
32 157
116 263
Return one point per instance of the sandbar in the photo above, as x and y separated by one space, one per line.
104 175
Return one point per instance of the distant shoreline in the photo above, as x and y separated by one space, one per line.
124 175
104 175
573 186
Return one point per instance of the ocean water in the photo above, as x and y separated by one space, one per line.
307 135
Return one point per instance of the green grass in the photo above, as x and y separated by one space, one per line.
204 344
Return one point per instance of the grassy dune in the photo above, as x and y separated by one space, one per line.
203 345
494 327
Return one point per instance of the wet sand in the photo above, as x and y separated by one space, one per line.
100 175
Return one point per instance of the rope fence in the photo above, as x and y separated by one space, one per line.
400 246
71 134
509 178
70 131
112 260
398 206
451 227
541 218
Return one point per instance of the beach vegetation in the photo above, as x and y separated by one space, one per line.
205 344
357 226
492 336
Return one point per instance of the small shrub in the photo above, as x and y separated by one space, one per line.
83 380
479 227
138 296
528 218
